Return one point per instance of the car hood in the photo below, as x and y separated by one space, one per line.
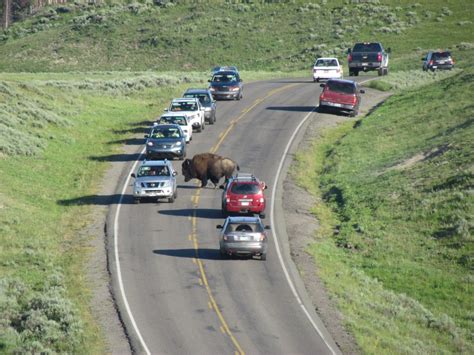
153 178
230 83
164 140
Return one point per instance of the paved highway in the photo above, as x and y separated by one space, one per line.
175 293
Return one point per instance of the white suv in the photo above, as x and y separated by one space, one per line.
155 179
193 109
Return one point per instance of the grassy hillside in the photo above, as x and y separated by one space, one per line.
396 247
255 35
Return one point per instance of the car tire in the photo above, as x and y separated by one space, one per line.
356 73
171 199
385 71
263 256
380 71
316 80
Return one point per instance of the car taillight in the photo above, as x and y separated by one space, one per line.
379 57
354 100
225 237
349 58
227 199
431 62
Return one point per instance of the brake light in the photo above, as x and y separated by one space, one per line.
379 57
431 62
354 100
349 57
227 199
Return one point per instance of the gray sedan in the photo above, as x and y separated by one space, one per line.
207 101
243 236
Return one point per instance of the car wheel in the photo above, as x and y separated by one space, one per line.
317 80
199 129
171 199
385 72
380 71
356 73
263 256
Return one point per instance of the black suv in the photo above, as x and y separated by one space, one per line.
226 85
368 57
207 101
438 60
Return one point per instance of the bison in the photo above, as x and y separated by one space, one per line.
208 166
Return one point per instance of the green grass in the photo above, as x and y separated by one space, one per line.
254 36
395 248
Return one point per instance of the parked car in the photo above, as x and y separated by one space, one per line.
243 236
368 57
207 101
326 68
165 141
226 85
341 95
193 108
438 60
155 179
244 193
179 119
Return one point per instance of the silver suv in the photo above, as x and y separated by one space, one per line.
155 179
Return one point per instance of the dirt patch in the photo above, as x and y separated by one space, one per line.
302 225
423 156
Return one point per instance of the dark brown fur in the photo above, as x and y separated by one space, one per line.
208 166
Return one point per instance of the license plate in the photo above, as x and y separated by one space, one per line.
243 238
244 203
365 64
336 105
434 67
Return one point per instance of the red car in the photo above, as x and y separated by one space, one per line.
244 194
341 95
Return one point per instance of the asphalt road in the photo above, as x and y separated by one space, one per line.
175 293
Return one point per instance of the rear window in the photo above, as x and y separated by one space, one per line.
183 106
337 86
245 189
367 47
441 55
326 63
179 120
202 97
244 227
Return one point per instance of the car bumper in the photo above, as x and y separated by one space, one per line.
324 76
365 66
337 105
242 248
225 94
442 67
163 192
159 154
244 209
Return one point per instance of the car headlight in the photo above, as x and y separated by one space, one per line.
207 109
150 144
234 88
167 184
212 89
178 144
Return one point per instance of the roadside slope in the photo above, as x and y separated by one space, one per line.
394 245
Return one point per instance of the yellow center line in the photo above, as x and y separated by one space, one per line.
195 199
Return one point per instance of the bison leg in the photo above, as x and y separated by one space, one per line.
215 181
203 181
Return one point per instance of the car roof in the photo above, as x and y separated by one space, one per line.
197 91
165 126
155 162
243 219
228 72
175 114
342 81
184 99
327 58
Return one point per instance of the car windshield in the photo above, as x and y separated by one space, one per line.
171 132
160 170
326 63
183 106
441 55
248 227
367 47
337 86
202 97
179 120
245 188
224 78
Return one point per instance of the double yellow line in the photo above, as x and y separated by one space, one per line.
193 236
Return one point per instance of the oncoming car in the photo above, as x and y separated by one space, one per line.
244 194
340 95
165 141
155 179
226 85
179 119
243 236
326 68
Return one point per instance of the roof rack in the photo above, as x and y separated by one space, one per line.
245 176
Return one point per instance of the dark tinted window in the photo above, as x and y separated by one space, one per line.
160 170
224 78
337 86
174 120
367 47
171 132
240 188
441 55
204 98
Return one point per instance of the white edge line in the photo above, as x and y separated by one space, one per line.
272 221
117 260
277 244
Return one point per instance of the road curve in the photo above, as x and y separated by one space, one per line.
175 293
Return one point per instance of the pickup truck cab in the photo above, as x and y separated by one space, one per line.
368 57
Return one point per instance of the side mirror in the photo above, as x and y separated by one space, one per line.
219 226
175 173
166 110
209 81
146 136
423 59
322 85
349 50
268 227
133 175
389 50
362 91
222 187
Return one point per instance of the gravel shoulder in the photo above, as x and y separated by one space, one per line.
301 226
